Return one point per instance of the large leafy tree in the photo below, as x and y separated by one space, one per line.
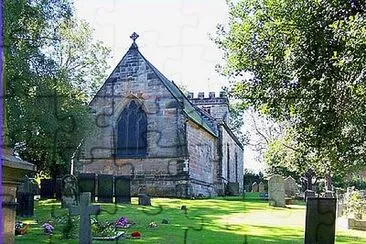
46 104
306 61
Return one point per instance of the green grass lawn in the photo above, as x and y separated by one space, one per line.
218 220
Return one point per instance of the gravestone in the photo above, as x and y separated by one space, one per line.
87 184
309 193
122 186
276 191
290 187
232 188
47 188
69 191
58 188
25 198
105 188
254 187
261 187
85 210
144 200
320 220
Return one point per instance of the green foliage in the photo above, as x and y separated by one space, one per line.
69 229
356 204
305 62
102 228
46 110
236 121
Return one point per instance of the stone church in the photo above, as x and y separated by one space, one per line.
169 143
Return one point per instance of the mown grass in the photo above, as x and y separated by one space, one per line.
218 220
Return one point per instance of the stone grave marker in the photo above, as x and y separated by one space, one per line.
276 191
47 188
25 198
87 184
320 220
144 200
290 186
85 210
105 188
122 186
69 191
261 187
255 187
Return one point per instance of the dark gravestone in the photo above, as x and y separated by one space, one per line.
144 200
122 186
87 184
25 198
58 188
69 191
320 220
105 188
47 188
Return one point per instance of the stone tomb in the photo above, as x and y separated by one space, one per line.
320 220
25 198
87 184
255 187
261 187
85 210
105 188
122 186
290 187
276 191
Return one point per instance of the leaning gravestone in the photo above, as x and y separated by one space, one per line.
85 210
254 187
261 187
290 186
276 191
87 184
47 188
25 198
320 220
105 188
122 186
69 191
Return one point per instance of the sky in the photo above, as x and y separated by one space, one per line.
173 35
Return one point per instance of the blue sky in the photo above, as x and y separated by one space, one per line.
174 36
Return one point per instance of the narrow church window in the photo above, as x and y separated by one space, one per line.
132 129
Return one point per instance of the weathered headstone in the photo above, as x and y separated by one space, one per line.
320 220
328 182
85 210
290 187
105 188
309 193
87 184
47 188
144 200
25 198
261 187
122 186
69 191
276 191
232 188
255 187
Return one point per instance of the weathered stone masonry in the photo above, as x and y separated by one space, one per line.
178 153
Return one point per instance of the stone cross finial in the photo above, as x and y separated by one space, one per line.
134 36
85 210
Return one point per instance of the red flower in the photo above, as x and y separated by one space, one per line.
136 234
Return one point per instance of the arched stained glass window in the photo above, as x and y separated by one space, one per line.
132 129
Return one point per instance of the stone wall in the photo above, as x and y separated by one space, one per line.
202 150
231 159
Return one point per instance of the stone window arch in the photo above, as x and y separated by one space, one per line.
131 132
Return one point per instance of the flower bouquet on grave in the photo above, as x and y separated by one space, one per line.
21 228
135 235
123 223
48 228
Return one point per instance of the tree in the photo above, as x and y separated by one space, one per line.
306 62
47 113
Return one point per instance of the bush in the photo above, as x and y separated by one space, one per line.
356 204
